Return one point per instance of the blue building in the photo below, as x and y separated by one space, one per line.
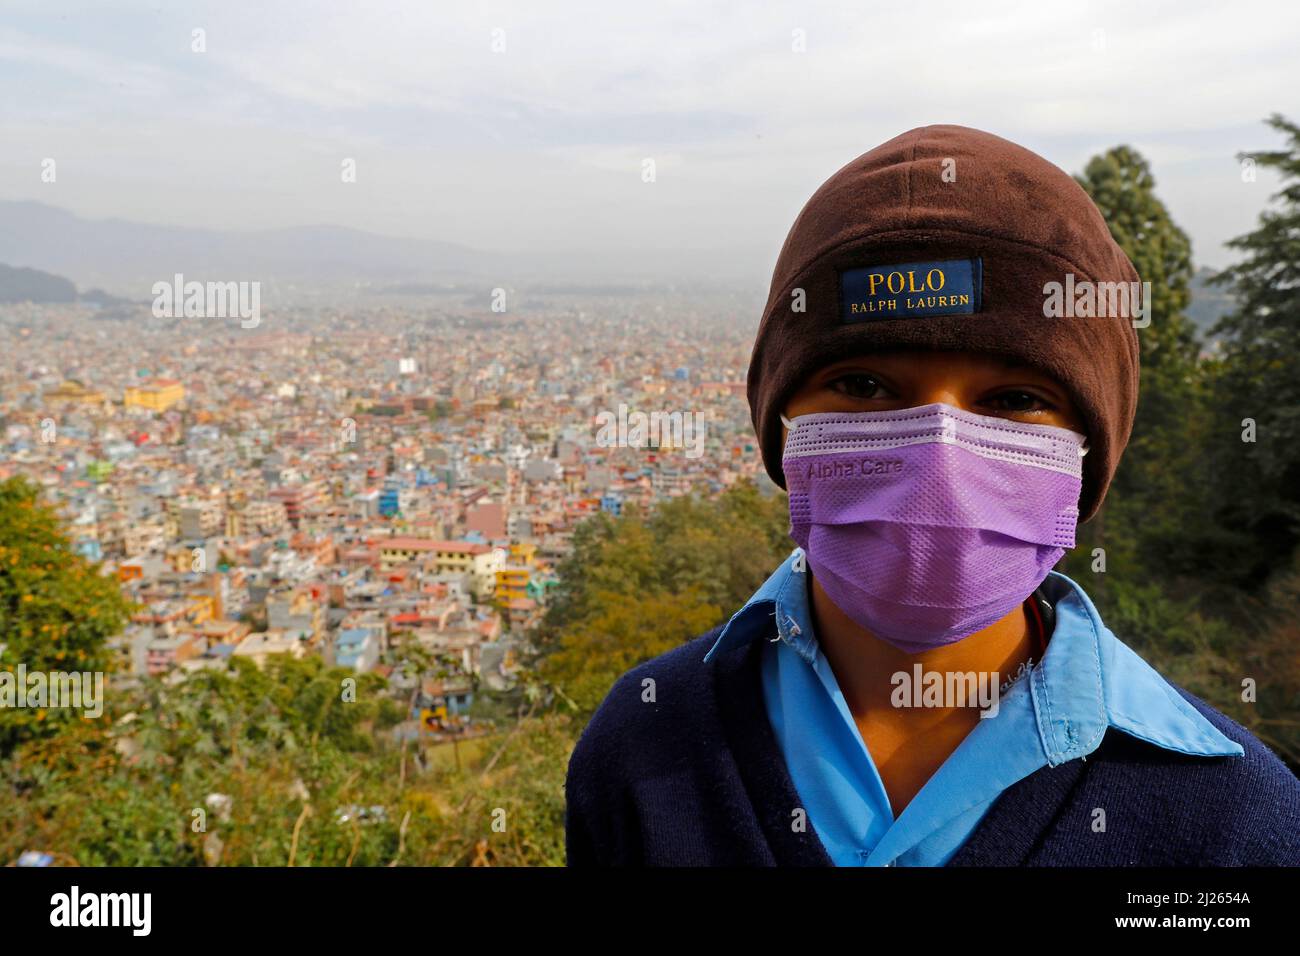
356 648
390 499
89 548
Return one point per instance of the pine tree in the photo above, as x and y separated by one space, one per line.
1143 524
1121 184
1258 385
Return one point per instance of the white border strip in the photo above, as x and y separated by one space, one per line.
833 433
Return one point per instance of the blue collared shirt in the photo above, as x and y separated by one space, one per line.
1058 710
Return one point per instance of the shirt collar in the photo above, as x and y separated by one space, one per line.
1090 680
781 601
1087 681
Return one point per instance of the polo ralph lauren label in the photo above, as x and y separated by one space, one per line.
910 290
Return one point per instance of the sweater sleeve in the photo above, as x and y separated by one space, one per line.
599 830
584 785
579 846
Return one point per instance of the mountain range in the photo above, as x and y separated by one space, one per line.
126 257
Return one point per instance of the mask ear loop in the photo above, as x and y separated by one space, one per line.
786 422
1084 448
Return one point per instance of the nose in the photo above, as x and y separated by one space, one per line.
944 378
930 393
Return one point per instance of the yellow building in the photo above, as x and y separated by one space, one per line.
202 609
523 554
157 395
478 561
73 392
512 584
460 556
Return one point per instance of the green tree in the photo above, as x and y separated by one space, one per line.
1258 381
621 632
1200 527
57 609
640 584
1143 523
1121 184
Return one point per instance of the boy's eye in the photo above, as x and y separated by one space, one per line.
858 385
1016 400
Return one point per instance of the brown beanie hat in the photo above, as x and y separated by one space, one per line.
979 227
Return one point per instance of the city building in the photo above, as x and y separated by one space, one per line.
156 395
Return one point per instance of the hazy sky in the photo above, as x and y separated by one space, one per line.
540 145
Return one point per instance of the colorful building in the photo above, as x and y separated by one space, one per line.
478 561
512 584
156 395
73 392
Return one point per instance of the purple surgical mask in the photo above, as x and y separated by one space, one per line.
927 524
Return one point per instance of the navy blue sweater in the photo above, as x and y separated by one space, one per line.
679 767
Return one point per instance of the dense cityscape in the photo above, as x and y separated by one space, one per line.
347 482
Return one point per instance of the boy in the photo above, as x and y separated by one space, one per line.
915 686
